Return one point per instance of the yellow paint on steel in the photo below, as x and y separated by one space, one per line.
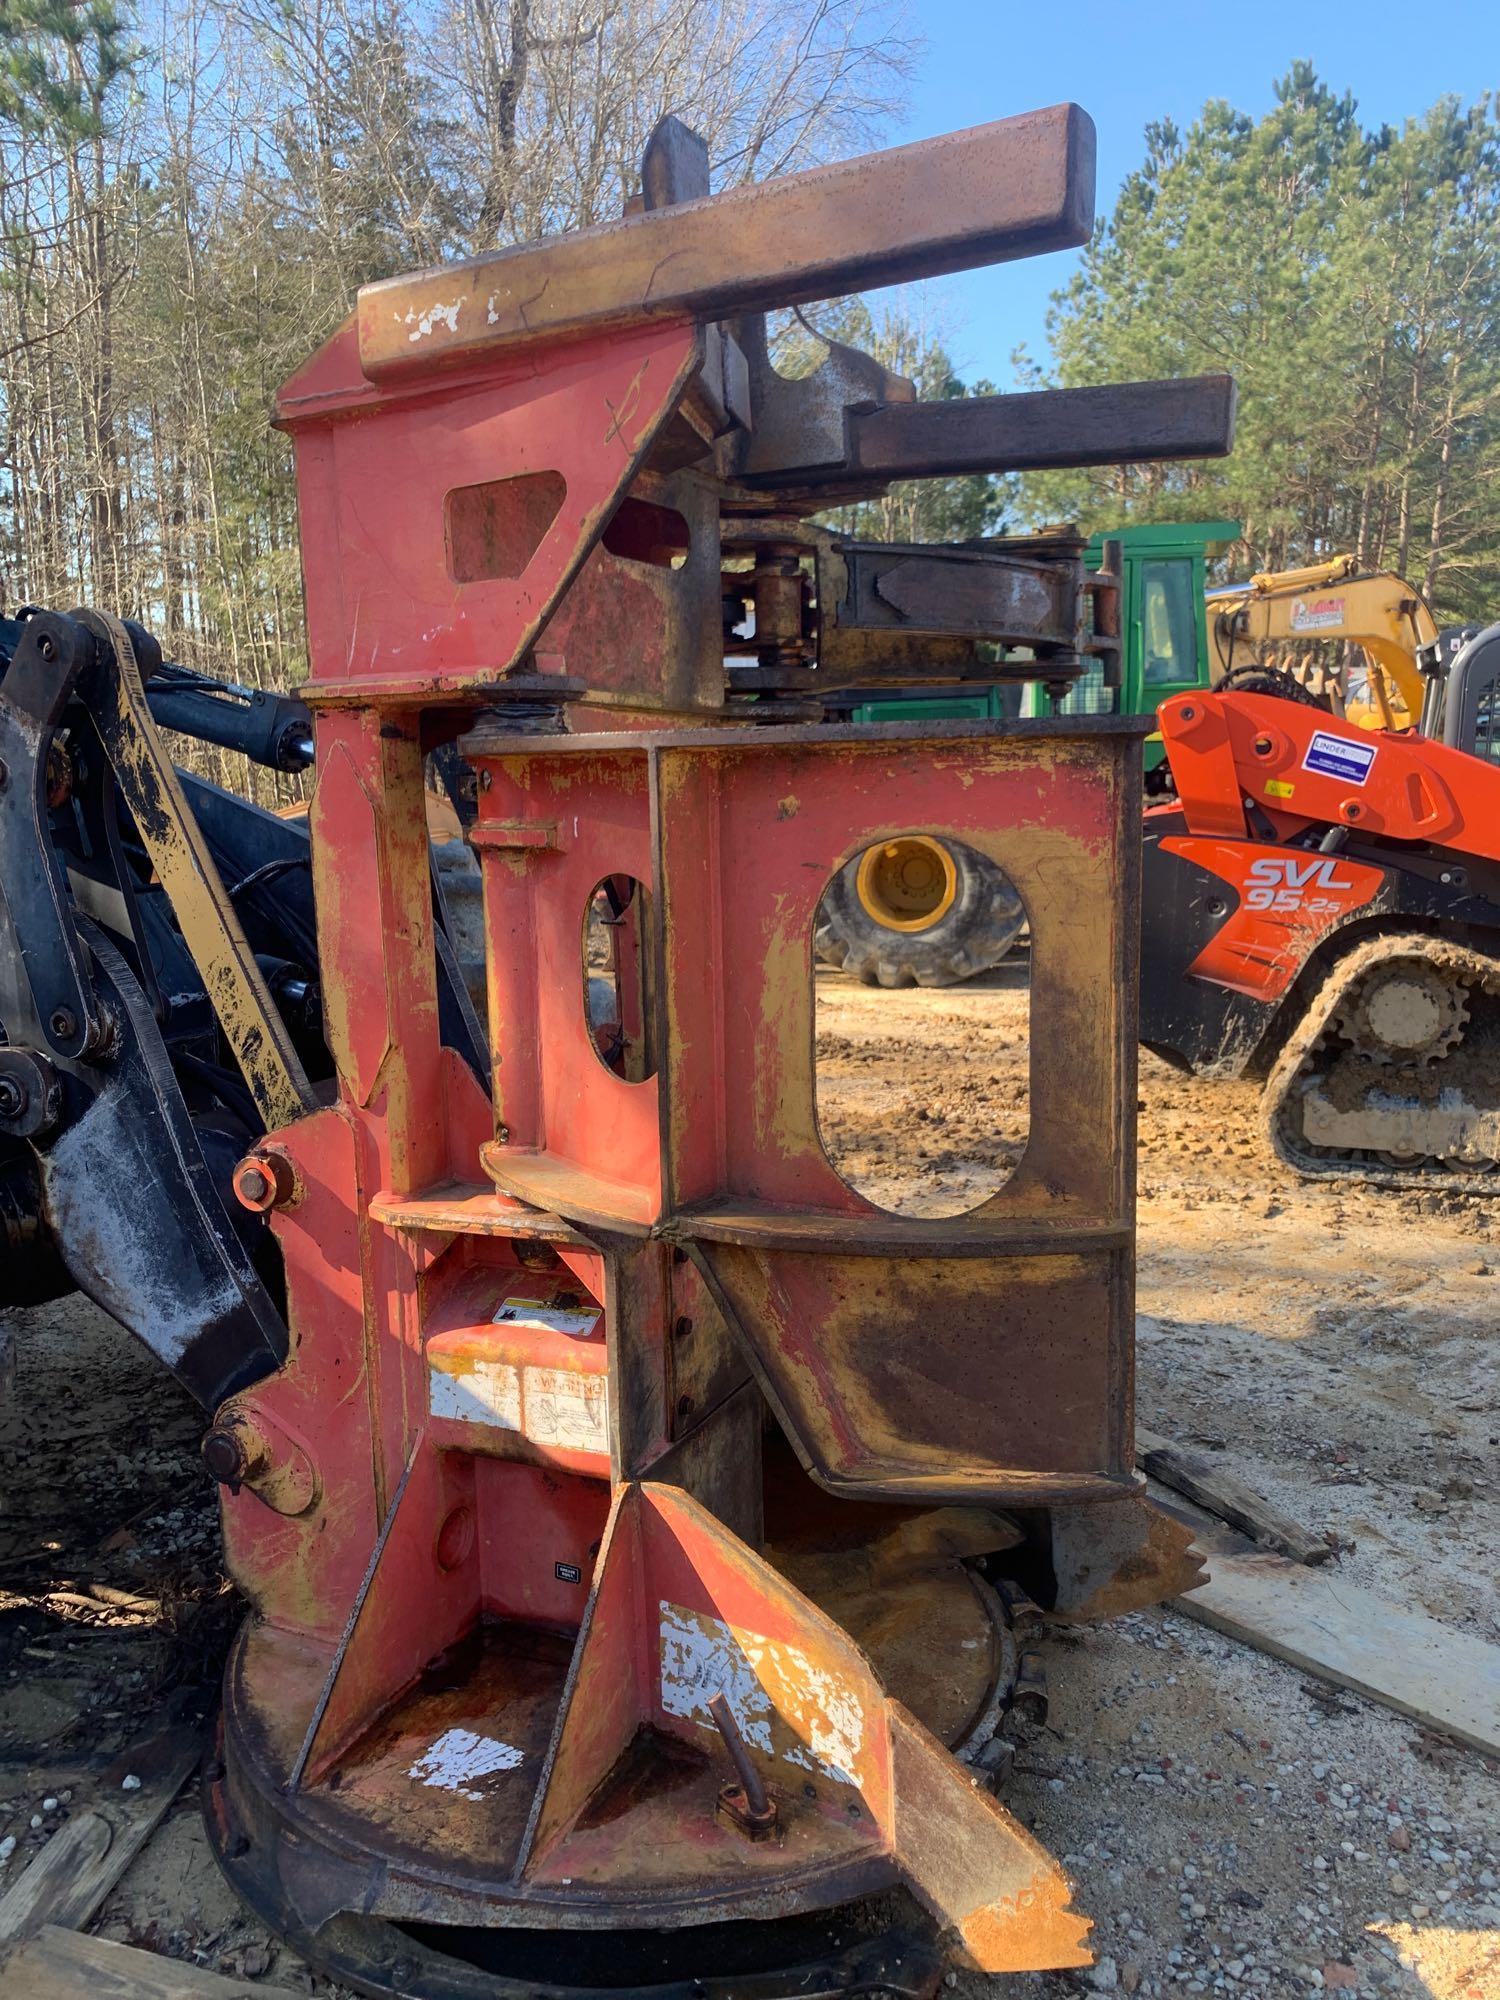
907 884
1333 602
180 855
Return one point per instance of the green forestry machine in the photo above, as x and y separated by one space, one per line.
923 912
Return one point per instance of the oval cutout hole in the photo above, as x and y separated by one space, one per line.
922 1006
616 993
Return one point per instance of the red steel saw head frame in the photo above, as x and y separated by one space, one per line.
536 1333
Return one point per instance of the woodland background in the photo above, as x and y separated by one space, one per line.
191 191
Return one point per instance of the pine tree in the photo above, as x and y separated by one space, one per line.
1350 281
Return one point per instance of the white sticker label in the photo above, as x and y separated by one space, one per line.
1321 614
487 1392
565 1409
1339 757
551 1406
577 1321
700 1657
460 1758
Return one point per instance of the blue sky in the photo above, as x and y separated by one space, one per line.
1129 61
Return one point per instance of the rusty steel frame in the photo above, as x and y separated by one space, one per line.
896 437
736 837
1015 188
510 1497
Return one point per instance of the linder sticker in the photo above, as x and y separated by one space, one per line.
1336 757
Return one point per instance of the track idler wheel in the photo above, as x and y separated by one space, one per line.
1394 1073
1406 1012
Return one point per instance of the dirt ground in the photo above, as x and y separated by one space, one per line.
1229 1823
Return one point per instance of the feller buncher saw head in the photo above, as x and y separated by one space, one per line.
634 1519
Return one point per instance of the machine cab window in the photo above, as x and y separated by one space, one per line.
1168 624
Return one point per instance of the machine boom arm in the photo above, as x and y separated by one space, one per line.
1380 613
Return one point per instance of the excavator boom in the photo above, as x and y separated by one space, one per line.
1297 610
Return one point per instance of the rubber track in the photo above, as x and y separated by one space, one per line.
1297 1060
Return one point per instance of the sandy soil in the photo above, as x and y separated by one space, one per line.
1338 1343
1229 1823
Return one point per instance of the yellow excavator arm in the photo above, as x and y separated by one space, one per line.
1329 601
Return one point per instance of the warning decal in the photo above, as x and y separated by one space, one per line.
1337 757
551 1406
577 1321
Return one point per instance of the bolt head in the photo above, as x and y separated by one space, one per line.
266 1180
31 1093
224 1456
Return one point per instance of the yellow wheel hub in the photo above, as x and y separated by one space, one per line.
907 884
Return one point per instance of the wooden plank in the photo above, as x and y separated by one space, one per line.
1220 1493
73 1854
1392 1653
66 1965
70 1877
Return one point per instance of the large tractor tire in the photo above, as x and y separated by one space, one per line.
918 912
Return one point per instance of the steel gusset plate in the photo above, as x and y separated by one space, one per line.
601 1815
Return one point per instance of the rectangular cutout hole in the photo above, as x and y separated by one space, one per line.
494 530
642 532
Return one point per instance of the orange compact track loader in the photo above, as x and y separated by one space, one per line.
1321 907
